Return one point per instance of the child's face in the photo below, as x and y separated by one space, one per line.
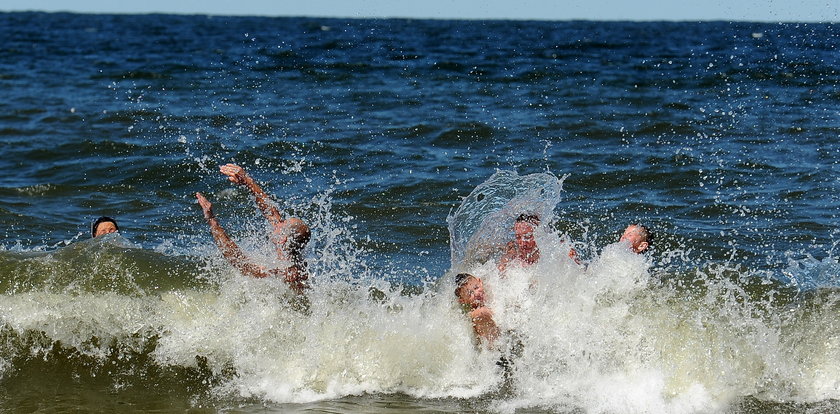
472 292
524 232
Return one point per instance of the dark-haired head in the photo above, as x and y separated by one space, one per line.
103 225
469 290
460 280
530 218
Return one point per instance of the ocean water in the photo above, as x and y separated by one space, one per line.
409 146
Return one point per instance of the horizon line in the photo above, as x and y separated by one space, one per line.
500 19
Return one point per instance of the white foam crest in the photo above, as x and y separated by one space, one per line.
605 337
73 320
348 342
609 337
812 337
602 338
345 344
581 343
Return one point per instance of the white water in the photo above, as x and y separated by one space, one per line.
606 337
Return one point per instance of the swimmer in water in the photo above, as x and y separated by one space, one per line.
102 226
638 237
470 293
523 249
289 235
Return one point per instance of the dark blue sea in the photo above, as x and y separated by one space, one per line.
409 146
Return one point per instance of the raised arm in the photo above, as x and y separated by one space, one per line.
295 275
229 249
237 175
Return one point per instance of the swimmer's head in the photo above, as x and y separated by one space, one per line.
298 234
469 290
638 237
529 218
523 230
103 225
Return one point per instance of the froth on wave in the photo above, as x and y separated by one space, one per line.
617 333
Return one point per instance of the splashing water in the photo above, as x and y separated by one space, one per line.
614 334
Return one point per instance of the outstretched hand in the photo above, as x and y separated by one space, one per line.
206 206
235 173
